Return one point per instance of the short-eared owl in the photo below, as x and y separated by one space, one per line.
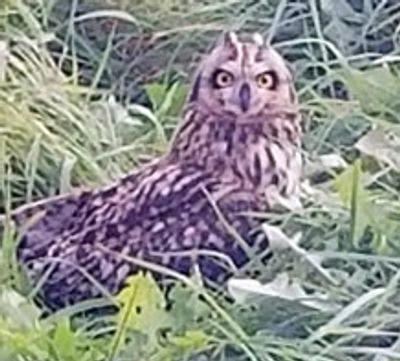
236 145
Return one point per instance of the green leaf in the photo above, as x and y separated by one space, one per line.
64 340
18 310
187 344
173 101
356 198
187 308
156 92
376 89
143 307
166 101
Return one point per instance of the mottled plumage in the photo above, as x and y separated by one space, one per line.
236 147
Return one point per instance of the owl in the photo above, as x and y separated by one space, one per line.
236 147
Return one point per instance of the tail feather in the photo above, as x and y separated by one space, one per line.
22 215
39 224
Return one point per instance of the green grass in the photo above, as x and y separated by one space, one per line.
67 119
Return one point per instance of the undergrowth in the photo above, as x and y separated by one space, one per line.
89 91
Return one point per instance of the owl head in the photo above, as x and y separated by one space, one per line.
243 80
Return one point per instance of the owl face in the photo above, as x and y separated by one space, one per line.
243 80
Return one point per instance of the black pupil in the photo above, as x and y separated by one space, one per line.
269 79
220 79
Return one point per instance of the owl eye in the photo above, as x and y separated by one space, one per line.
222 79
267 80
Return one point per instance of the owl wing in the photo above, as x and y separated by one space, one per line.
141 215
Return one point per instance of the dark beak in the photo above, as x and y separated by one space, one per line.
244 97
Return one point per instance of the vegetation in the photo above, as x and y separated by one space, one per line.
90 90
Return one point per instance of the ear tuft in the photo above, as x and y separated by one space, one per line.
229 39
230 42
258 39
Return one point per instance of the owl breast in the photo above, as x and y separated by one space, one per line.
259 157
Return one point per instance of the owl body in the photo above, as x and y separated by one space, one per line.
235 147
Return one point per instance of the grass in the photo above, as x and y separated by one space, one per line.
80 109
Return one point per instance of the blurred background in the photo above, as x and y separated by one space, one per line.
163 39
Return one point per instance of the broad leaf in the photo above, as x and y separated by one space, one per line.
185 345
143 307
166 100
64 339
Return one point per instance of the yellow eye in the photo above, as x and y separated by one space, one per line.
266 80
223 79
